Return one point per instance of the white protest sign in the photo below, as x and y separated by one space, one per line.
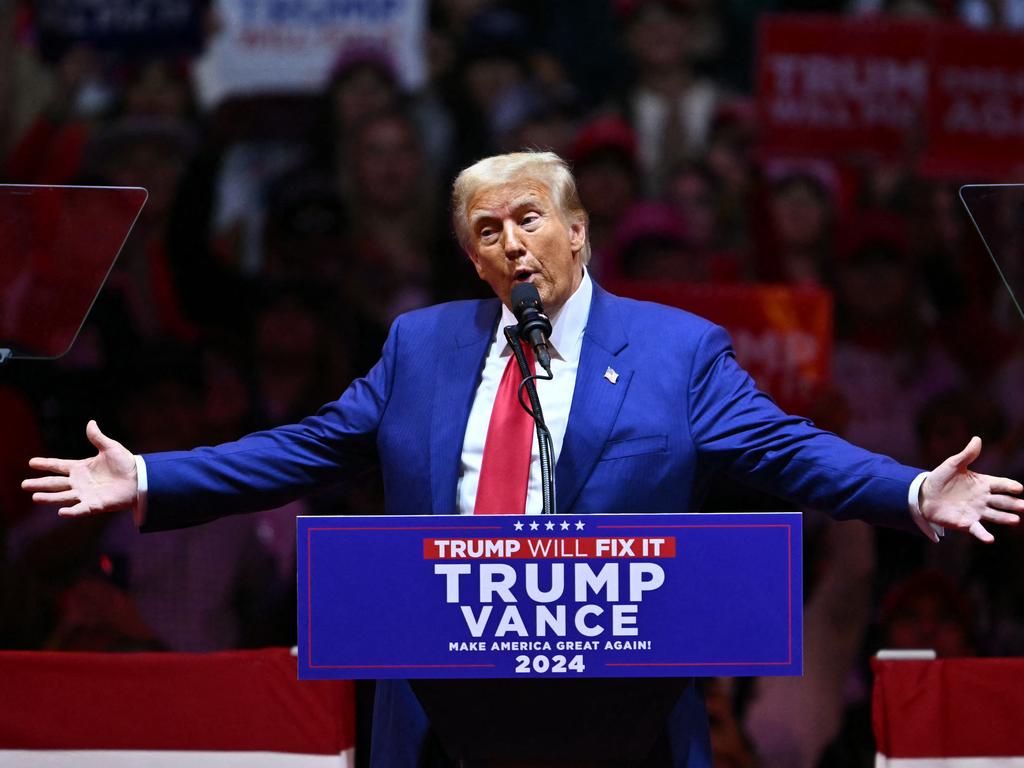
268 46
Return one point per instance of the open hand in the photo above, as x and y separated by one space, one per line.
955 497
107 482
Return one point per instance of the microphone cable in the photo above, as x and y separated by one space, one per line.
545 444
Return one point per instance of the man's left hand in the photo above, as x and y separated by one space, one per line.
956 498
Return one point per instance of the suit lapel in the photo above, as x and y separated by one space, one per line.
595 401
456 377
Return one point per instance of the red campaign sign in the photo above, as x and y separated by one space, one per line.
828 84
976 105
782 335
544 548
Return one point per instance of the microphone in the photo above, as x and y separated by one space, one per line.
534 326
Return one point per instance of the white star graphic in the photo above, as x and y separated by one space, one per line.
549 526
565 525
518 526
580 525
534 525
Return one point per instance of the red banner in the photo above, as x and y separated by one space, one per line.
782 335
960 713
829 84
115 709
948 95
976 106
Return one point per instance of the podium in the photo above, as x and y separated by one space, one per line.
550 721
550 640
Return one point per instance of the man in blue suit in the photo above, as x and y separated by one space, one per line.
645 405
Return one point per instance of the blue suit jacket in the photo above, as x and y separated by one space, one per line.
680 409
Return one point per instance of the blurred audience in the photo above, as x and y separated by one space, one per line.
888 361
668 103
927 610
796 236
693 190
652 241
142 289
603 154
395 230
20 441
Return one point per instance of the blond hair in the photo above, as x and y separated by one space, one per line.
545 168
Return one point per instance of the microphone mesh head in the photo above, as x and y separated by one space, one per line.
525 295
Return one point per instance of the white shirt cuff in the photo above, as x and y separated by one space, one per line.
139 509
931 530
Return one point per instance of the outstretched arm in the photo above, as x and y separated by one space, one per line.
262 470
735 424
106 482
954 497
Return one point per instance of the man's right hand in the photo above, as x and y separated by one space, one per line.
107 482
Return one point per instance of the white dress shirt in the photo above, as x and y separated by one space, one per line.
565 344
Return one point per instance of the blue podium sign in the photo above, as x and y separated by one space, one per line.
504 596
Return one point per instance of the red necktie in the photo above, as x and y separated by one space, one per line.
505 472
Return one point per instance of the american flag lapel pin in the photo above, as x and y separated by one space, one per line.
611 374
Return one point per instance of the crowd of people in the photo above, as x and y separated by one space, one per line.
284 233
